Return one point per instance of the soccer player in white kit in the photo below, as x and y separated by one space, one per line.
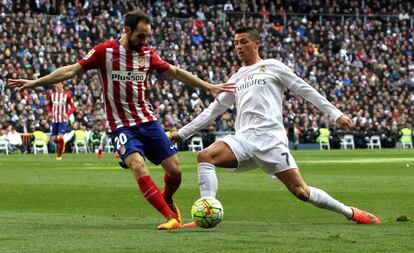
260 139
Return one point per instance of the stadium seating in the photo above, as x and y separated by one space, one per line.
374 142
323 138
372 82
406 138
324 144
80 143
196 144
348 141
407 143
4 146
40 142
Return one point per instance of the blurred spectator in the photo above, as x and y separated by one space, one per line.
2 87
228 6
364 66
15 140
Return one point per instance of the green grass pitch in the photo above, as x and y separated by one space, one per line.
82 204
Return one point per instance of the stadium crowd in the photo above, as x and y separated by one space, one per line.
360 57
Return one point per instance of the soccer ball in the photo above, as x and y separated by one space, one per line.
207 212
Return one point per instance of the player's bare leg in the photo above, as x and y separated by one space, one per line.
172 180
293 180
151 191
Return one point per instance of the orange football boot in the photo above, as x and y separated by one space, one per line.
363 217
171 223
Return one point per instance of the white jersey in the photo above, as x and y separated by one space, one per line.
258 98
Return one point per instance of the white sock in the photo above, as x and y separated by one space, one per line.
207 180
322 199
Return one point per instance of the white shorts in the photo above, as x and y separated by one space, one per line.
260 151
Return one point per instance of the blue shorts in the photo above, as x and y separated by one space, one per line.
59 128
148 139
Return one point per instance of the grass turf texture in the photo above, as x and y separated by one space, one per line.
82 204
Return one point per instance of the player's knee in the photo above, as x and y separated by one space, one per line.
204 156
172 166
301 193
138 167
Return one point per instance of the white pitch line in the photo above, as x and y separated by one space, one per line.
367 160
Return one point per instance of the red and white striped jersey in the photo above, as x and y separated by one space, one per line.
124 75
58 106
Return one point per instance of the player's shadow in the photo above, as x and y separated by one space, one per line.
191 230
123 226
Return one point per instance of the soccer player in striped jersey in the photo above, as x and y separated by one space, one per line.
260 140
124 66
57 108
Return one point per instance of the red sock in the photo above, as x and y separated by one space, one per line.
153 195
60 143
59 146
171 186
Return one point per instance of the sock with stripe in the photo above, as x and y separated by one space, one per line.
153 195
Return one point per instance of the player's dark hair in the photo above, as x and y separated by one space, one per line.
132 18
253 33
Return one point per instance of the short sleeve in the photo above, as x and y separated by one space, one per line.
157 63
94 58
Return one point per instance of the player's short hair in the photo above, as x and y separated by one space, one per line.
132 19
253 33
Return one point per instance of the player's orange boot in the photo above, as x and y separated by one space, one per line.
190 225
171 223
362 217
116 155
175 209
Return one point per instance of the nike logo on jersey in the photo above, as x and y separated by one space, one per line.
172 147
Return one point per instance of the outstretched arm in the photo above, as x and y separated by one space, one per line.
302 88
310 94
72 106
215 109
60 74
49 105
193 81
